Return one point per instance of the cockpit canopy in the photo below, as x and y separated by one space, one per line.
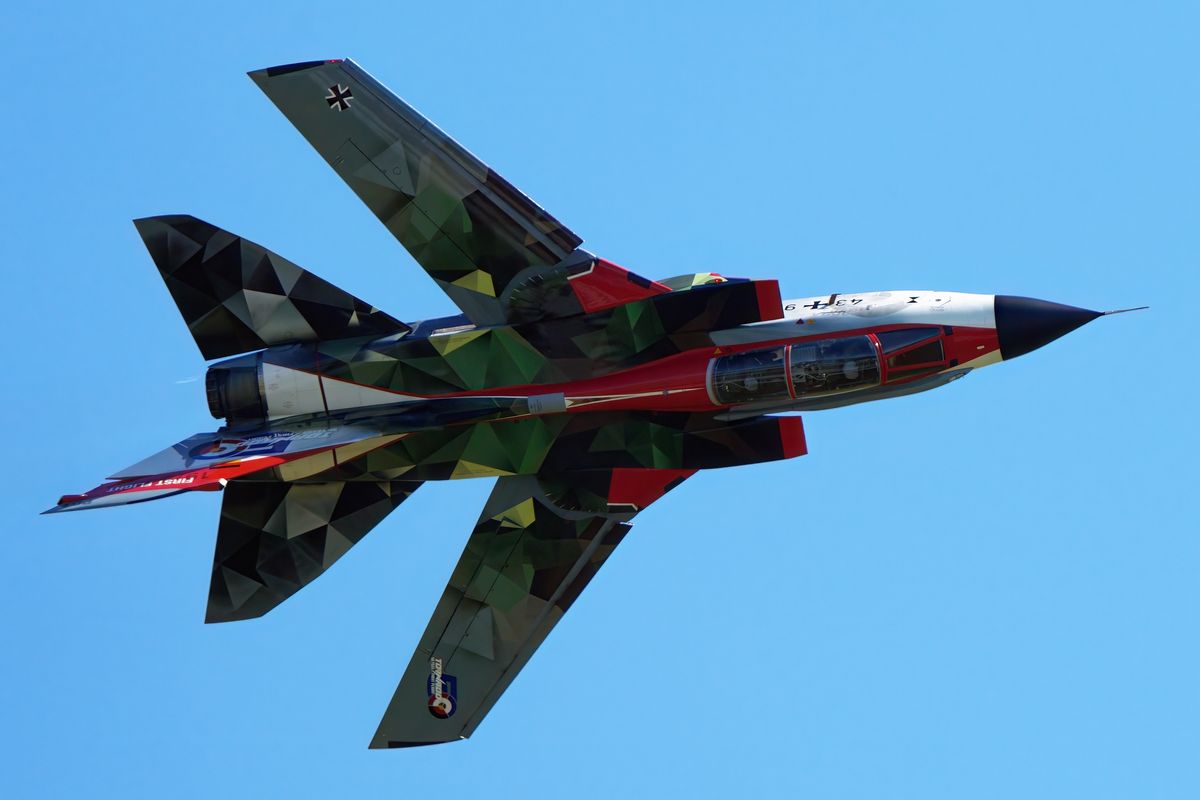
811 369
834 365
912 352
827 366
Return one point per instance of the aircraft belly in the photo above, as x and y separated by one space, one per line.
566 443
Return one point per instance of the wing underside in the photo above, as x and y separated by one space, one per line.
468 227
497 254
536 546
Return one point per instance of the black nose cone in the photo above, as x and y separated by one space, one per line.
1024 324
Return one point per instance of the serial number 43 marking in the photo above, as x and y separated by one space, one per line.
817 305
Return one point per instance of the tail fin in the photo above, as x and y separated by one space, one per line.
237 296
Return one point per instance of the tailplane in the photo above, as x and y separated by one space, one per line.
276 537
237 296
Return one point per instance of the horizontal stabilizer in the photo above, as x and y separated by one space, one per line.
237 296
277 537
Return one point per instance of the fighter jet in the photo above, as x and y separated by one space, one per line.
587 391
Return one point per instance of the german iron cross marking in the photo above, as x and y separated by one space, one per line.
339 97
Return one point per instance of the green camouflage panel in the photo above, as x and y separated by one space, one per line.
237 296
470 229
568 442
276 537
526 562
568 484
563 350
681 283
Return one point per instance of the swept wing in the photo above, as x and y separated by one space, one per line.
497 254
538 543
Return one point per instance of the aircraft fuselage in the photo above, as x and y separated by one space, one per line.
825 351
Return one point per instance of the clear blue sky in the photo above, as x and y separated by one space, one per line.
989 591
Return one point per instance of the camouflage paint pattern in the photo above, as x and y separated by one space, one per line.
301 488
581 347
237 296
525 563
275 537
556 444
471 230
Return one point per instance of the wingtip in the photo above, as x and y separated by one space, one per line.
215 615
284 69
140 221
68 502
386 744
381 742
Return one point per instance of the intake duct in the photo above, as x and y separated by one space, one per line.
234 390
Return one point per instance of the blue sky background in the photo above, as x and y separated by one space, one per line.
988 591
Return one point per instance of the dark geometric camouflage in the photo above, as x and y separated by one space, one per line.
524 565
275 538
471 230
237 296
580 347
548 444
345 412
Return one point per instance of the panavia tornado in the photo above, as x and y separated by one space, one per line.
586 390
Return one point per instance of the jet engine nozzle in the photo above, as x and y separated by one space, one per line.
1024 324
234 390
